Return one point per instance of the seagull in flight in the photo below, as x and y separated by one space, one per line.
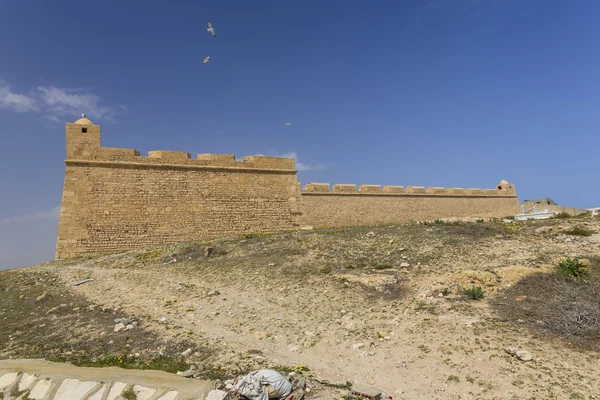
287 124
210 29
206 60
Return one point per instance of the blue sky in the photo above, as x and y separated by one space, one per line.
454 93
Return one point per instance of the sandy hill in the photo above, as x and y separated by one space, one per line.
387 306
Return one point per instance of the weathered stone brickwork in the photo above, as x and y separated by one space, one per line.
372 205
114 199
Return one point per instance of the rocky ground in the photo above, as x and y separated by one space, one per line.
384 306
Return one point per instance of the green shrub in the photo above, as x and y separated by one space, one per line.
474 293
572 267
562 215
129 394
326 270
579 231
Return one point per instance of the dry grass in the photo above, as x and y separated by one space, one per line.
559 304
40 318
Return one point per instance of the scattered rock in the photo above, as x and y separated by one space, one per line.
187 353
214 292
190 372
216 394
124 321
371 234
522 355
260 360
271 264
404 265
119 327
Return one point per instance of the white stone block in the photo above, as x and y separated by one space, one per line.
98 395
26 381
143 393
74 389
8 379
172 395
40 389
116 390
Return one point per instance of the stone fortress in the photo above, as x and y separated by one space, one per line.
114 199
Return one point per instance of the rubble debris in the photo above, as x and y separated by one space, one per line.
216 394
262 385
366 392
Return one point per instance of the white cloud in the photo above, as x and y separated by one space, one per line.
40 215
14 101
300 166
73 101
54 102
52 118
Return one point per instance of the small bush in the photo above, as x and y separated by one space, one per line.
453 378
474 293
129 394
326 270
572 267
579 231
562 215
382 266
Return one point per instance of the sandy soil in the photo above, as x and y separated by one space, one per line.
375 305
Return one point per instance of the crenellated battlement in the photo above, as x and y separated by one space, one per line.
83 147
504 189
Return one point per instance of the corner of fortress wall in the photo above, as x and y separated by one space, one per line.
114 199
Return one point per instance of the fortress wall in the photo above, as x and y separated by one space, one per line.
372 205
114 199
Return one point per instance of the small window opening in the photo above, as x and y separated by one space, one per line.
83 130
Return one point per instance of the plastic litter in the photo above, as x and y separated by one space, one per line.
263 384
83 281
169 262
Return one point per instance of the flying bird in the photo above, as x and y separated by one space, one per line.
210 29
287 124
206 60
